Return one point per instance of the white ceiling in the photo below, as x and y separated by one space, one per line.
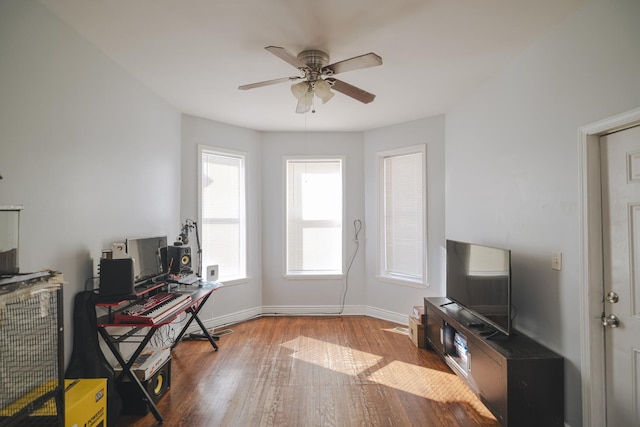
195 53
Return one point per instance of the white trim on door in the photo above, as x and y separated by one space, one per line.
590 268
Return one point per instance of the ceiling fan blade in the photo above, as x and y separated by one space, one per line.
269 82
363 61
352 91
286 56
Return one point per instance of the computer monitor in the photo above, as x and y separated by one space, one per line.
147 259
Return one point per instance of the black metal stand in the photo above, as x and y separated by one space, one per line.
199 297
194 316
126 366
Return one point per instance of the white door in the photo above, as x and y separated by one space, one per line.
620 166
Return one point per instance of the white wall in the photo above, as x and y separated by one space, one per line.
240 301
267 289
393 301
512 164
91 153
309 296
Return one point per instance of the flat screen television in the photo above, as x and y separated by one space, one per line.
479 280
147 257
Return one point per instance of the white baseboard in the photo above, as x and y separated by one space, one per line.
299 310
228 319
391 316
312 310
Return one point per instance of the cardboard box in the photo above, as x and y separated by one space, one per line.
418 313
85 402
149 361
416 332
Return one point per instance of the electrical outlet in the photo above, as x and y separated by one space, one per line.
212 273
556 260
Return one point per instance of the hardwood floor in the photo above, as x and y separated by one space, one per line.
313 371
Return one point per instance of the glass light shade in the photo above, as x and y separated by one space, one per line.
299 89
308 98
302 107
323 90
305 102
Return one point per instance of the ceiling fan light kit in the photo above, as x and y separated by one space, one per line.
317 79
299 89
304 95
322 90
304 92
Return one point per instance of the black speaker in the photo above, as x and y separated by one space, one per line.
178 259
133 401
116 277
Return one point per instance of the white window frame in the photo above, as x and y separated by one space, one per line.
382 273
311 274
242 276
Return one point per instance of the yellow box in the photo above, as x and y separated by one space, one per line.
85 402
416 332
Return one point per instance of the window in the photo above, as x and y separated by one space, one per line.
401 213
313 217
223 212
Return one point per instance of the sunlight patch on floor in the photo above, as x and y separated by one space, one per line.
432 384
335 357
429 383
398 330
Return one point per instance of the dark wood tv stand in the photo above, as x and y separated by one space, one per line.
520 381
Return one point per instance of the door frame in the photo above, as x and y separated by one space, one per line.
591 266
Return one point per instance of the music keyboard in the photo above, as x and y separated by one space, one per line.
152 309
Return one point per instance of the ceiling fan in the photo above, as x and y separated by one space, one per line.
317 76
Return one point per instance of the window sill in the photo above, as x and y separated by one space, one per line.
233 282
403 282
314 276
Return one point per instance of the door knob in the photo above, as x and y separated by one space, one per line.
612 297
611 320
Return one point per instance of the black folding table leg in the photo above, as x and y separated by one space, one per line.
194 315
206 333
126 367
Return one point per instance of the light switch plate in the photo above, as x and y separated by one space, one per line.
212 273
556 260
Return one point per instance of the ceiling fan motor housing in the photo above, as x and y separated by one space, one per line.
315 60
